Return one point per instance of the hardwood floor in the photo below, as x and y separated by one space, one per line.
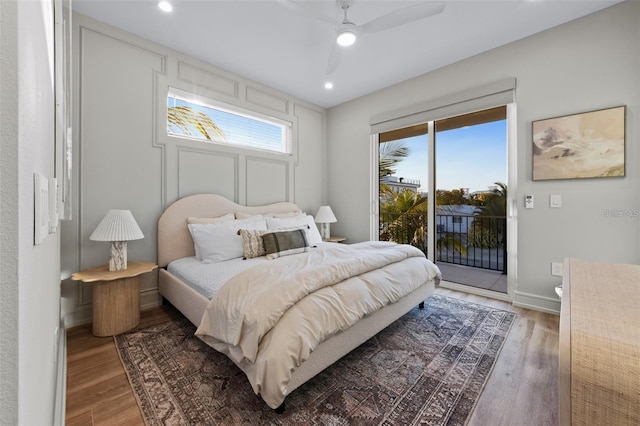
522 389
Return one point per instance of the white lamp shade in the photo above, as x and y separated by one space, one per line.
117 225
325 215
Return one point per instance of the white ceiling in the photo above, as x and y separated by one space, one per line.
286 45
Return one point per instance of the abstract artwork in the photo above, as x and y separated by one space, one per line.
585 145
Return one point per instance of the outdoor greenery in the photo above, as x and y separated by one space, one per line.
403 218
186 121
487 229
403 215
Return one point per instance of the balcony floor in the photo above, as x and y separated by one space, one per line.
474 277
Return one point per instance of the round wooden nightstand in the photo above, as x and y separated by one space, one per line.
116 296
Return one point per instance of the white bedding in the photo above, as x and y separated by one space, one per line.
269 319
208 278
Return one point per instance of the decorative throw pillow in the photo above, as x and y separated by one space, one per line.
252 244
284 243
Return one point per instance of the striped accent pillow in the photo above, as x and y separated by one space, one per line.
284 243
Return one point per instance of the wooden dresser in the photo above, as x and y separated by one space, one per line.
599 365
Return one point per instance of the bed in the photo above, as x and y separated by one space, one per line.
276 376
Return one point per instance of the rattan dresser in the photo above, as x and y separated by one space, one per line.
599 369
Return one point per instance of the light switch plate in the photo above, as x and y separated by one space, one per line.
555 201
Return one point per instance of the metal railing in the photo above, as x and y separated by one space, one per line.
461 239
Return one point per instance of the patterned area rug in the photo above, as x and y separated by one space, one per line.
427 368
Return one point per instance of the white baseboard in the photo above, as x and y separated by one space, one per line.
537 303
150 299
520 299
81 316
477 291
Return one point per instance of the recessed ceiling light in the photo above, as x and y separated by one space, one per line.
328 85
165 6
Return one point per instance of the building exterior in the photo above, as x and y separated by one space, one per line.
399 184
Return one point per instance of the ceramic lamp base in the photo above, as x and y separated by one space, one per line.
118 261
325 231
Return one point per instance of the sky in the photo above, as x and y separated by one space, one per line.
471 157
238 129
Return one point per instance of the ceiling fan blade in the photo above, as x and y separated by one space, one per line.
403 16
335 57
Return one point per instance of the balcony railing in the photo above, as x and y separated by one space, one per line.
461 239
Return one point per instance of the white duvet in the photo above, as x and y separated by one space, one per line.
269 318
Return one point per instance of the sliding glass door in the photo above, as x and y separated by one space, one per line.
462 163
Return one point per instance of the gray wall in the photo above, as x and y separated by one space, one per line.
29 274
125 160
591 63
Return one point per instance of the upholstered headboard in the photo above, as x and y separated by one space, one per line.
174 239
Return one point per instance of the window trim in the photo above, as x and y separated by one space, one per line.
286 125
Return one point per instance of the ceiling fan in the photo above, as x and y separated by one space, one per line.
347 31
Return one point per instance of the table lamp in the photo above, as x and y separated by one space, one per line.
118 226
324 217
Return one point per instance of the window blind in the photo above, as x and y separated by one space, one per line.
484 97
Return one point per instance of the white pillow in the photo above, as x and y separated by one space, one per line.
242 215
226 218
217 242
286 222
313 235
290 214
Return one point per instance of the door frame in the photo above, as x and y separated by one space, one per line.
511 213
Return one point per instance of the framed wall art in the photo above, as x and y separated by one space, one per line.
585 145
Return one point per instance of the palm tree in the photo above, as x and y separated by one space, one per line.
403 218
496 203
488 227
186 121
390 154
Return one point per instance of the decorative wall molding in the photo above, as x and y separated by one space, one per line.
120 110
267 180
208 79
84 31
207 171
268 100
91 40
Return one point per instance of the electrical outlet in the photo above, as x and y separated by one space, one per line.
556 269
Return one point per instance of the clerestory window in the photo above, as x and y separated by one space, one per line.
195 117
